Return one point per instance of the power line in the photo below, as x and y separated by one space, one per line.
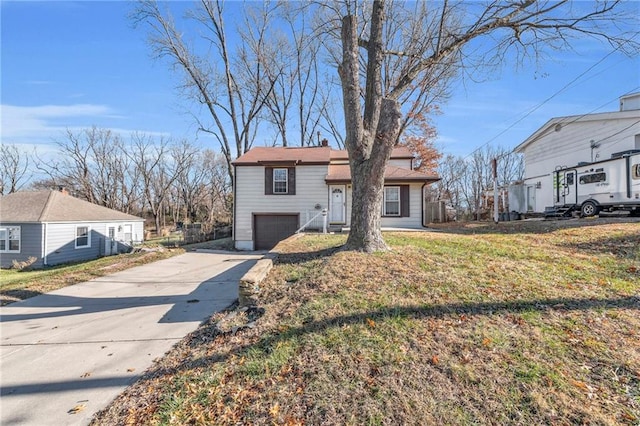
535 108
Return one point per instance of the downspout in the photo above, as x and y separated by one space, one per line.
422 205
235 201
44 243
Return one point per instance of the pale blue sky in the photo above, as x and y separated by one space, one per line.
77 64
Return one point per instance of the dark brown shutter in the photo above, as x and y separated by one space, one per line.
404 201
268 181
292 180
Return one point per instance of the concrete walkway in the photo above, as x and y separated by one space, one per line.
65 355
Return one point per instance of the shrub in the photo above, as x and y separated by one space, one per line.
25 264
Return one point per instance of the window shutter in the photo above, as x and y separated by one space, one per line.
404 201
292 181
268 181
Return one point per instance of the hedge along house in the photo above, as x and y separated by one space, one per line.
280 189
54 227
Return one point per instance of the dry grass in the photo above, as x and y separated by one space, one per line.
18 285
22 284
522 323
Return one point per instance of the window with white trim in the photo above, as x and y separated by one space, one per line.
83 236
391 202
280 181
10 239
593 178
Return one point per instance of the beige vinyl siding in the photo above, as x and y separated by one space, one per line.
404 163
311 189
415 209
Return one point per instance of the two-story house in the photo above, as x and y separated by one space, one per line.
278 189
568 142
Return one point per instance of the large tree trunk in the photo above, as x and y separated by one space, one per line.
367 178
371 136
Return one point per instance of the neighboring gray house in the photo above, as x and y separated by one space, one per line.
57 228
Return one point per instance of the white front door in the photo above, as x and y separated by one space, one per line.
338 206
110 242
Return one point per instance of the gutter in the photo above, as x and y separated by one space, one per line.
422 205
235 201
44 243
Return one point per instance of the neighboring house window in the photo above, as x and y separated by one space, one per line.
10 239
593 178
280 181
391 204
83 237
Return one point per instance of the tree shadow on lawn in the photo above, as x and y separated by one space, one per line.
306 256
530 226
209 331
625 246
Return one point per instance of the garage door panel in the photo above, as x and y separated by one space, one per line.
269 229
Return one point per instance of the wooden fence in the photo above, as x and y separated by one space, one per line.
434 212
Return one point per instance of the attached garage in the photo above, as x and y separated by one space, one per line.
270 229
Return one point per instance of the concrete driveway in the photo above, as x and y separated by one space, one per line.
66 354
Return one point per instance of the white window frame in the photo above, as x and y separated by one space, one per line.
384 201
286 180
7 239
88 245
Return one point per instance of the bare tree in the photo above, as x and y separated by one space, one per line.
14 168
293 64
157 170
217 205
452 171
231 84
433 52
93 165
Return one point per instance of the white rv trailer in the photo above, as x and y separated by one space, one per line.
607 185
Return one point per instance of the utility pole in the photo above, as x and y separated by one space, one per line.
494 166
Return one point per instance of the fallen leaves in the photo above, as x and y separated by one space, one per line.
78 408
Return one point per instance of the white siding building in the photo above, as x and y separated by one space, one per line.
570 141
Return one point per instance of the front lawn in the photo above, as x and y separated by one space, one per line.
522 323
19 285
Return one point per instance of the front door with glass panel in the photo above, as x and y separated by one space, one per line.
337 208
110 241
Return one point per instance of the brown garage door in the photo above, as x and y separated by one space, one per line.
270 229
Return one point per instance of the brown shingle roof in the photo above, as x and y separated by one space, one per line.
54 206
342 173
258 155
302 155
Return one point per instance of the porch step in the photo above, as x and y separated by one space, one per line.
559 211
